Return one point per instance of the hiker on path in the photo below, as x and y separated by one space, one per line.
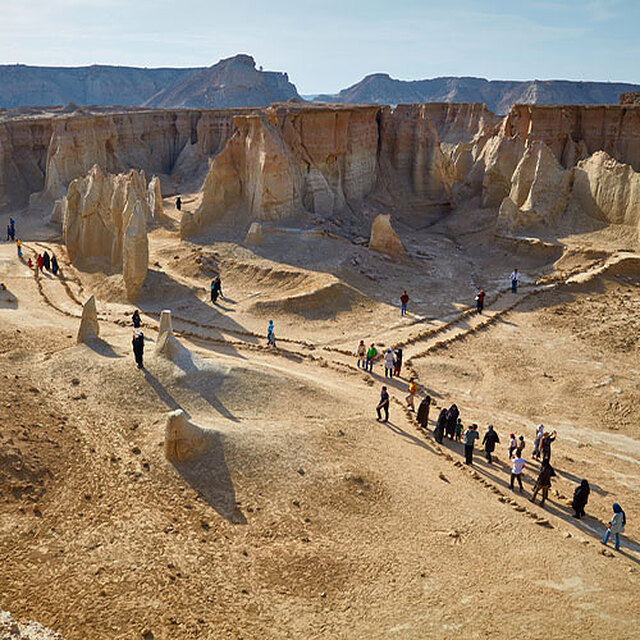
135 318
40 263
513 444
271 334
388 363
29 263
452 421
19 248
537 441
11 230
397 365
413 391
423 412
361 353
543 483
480 301
470 436
383 405
490 440
178 203
516 469
515 281
545 445
441 423
46 261
521 443
216 288
580 499
616 526
404 301
372 352
54 265
459 428
138 347
9 238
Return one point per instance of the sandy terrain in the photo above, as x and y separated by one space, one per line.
307 518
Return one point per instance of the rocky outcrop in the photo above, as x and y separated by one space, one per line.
254 234
384 239
135 248
154 198
183 440
89 327
166 323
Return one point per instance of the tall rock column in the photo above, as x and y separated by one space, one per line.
135 252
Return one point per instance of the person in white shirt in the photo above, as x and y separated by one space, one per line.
515 281
516 469
388 363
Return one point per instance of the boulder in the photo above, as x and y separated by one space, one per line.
254 235
165 322
89 327
183 440
384 239
135 252
167 345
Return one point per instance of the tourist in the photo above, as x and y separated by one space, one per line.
9 238
178 203
521 443
537 441
441 423
543 483
616 526
470 436
515 280
580 499
545 445
54 265
490 440
361 353
452 421
19 248
516 469
383 405
388 363
46 261
135 318
216 288
397 365
423 412
459 428
413 390
138 347
372 352
30 263
404 301
40 262
271 334
480 301
513 444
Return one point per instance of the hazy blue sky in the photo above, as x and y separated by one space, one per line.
327 45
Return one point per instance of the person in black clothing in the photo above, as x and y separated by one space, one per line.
490 441
135 318
46 261
138 347
423 412
54 265
480 301
452 421
383 405
397 362
216 288
545 445
178 203
580 498
441 423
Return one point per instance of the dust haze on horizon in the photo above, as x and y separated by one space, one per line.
327 47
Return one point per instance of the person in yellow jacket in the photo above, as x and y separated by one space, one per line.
413 390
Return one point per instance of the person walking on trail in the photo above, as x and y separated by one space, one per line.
138 347
9 238
545 445
271 334
580 499
383 405
397 364
19 248
40 262
480 301
178 203
543 483
616 526
361 353
135 318
441 423
388 363
46 261
490 440
372 352
470 436
452 421
537 441
513 444
404 301
515 281
413 391
521 443
459 428
216 288
54 265
423 412
516 469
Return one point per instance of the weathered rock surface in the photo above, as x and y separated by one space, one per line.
154 197
165 322
254 234
384 239
135 249
11 629
183 440
168 345
89 327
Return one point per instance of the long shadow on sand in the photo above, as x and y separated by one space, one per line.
102 348
209 476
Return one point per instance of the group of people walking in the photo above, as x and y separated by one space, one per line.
44 262
392 359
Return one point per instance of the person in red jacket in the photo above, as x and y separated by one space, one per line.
480 301
404 301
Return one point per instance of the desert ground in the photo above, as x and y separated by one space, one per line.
307 518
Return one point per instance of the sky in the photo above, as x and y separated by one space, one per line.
328 45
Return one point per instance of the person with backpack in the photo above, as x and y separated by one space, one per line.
138 347
470 436
543 483
490 440
372 352
361 353
404 301
580 499
516 470
383 405
616 526
388 363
